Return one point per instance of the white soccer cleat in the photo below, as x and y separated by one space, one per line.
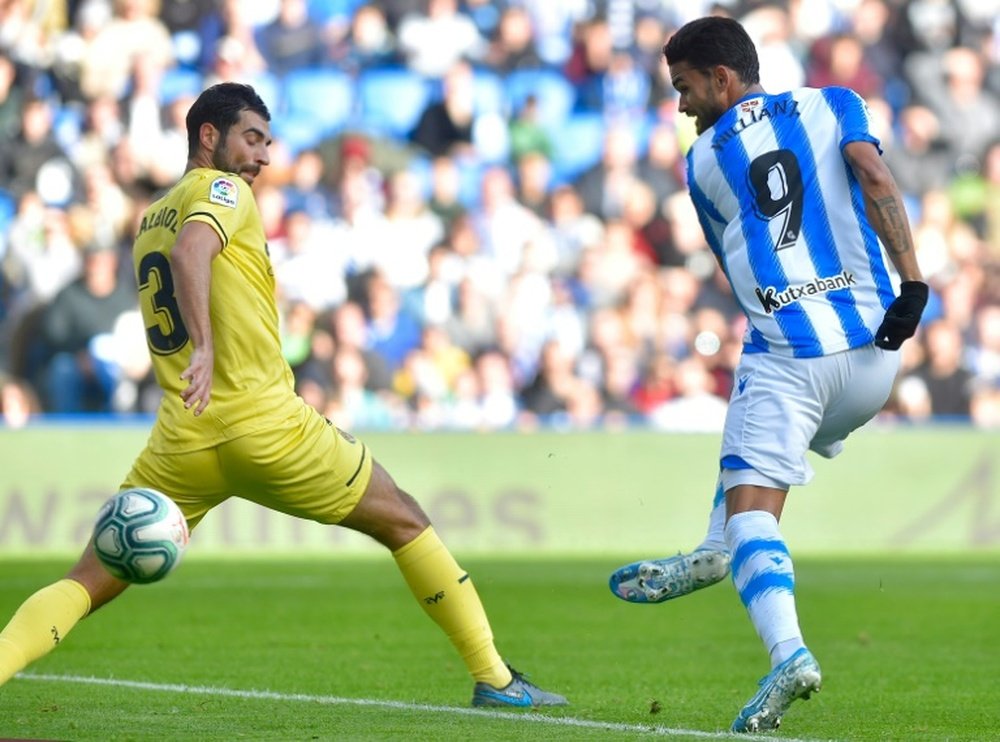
657 580
797 677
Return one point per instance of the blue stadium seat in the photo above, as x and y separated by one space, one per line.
391 100
555 94
179 81
324 95
488 92
8 208
269 90
296 131
579 145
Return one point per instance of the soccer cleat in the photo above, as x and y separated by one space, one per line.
657 580
518 693
797 677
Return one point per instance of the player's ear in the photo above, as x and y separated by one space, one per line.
721 77
208 135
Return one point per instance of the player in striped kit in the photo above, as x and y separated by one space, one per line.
801 213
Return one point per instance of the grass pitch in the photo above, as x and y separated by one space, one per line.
338 650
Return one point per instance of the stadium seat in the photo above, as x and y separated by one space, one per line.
391 100
269 90
296 131
555 94
8 208
326 96
579 145
488 92
179 81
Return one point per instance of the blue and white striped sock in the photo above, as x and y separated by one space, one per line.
765 580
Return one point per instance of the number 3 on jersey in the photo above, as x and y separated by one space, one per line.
777 185
168 334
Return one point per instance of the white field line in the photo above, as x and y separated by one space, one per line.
529 717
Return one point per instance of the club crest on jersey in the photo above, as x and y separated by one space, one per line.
224 192
772 299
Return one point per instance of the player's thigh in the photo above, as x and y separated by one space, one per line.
304 466
774 413
193 480
866 376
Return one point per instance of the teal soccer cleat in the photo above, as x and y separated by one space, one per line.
657 580
797 677
518 693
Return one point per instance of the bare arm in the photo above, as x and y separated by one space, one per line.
884 207
191 263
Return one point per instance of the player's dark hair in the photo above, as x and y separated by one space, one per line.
220 106
715 40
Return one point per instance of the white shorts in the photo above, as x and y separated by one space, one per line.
783 407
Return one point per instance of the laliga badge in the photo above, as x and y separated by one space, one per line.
224 192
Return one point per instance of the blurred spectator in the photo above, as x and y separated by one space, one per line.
840 61
948 383
392 331
504 225
662 167
35 161
307 190
185 15
445 188
605 186
353 403
919 155
554 383
694 409
652 234
571 228
370 44
42 256
527 135
445 126
969 112
409 231
231 20
350 330
134 31
78 375
983 356
770 27
534 176
18 402
309 263
513 47
11 101
433 40
291 41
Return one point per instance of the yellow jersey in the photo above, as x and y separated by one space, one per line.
252 384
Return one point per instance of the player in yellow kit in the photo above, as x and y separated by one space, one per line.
230 422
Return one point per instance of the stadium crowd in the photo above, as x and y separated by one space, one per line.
475 210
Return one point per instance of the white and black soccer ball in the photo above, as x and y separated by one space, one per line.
140 535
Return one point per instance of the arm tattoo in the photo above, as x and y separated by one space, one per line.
893 221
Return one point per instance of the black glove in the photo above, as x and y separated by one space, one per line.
902 316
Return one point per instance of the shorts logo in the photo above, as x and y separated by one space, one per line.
741 384
772 299
224 192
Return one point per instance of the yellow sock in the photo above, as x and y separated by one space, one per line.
42 621
447 595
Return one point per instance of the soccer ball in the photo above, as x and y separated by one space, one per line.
140 535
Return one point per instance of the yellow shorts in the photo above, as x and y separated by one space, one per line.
304 466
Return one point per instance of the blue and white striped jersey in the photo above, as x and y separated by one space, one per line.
784 214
